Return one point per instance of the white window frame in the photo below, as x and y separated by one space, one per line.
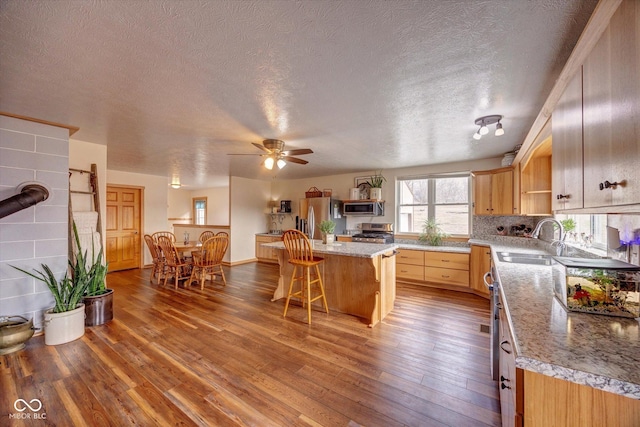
431 194
195 200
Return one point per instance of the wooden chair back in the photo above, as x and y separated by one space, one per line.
206 235
222 233
168 234
298 246
153 248
214 249
169 251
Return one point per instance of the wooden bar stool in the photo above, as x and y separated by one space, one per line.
301 256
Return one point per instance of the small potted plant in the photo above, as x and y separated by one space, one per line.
327 228
569 225
98 300
375 182
431 233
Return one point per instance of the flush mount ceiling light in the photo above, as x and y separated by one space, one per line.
488 120
175 182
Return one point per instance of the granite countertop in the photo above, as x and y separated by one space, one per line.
595 350
354 249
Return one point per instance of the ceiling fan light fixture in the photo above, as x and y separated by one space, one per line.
499 130
281 163
268 163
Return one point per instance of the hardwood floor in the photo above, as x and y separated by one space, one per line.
226 356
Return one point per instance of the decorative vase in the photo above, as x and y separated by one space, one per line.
375 193
14 332
328 238
98 309
60 328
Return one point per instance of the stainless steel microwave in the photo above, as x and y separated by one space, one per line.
363 208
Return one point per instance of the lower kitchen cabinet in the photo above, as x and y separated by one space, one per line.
433 267
266 254
479 264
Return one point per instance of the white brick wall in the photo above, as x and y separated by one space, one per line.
37 235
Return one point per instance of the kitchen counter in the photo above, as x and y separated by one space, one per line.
598 351
352 249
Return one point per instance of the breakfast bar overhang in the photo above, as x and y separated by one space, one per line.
359 278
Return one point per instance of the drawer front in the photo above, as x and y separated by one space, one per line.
408 256
408 271
344 238
447 276
453 260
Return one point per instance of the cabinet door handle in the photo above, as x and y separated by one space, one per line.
444 260
504 379
445 277
504 349
608 184
503 386
562 196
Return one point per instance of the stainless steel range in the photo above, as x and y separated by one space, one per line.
379 232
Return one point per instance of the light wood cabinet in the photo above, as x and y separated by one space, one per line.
342 238
535 181
410 264
479 264
433 267
493 192
266 254
611 100
566 163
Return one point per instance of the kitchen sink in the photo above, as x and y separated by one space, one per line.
524 258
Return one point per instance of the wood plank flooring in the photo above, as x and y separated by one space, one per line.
225 356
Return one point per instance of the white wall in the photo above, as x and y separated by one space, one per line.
154 204
340 184
37 235
248 201
181 205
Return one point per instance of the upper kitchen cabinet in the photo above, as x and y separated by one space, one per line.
567 148
493 192
535 181
611 119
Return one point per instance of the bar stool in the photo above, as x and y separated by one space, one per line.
301 256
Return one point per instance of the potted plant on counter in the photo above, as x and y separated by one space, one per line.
98 300
431 233
327 228
375 182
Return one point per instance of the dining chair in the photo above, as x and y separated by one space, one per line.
222 233
208 261
168 234
301 257
159 264
206 235
176 265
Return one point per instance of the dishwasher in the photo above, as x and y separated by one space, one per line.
494 326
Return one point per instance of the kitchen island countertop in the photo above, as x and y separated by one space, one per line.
354 249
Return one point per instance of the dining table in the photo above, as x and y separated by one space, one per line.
193 245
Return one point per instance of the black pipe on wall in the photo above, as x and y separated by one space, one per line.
28 196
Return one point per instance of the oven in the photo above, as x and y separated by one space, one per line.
490 279
379 232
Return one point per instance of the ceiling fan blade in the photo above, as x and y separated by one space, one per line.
262 147
297 152
295 160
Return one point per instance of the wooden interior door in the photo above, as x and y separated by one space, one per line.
123 227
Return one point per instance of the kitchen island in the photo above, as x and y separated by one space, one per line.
359 278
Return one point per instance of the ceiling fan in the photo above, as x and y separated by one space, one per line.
275 154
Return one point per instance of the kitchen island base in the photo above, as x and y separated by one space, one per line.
361 286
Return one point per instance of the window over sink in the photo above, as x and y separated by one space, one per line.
443 198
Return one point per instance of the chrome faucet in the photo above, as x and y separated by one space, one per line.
536 231
560 242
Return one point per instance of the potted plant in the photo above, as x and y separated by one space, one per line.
98 300
431 233
327 227
375 182
569 225
64 322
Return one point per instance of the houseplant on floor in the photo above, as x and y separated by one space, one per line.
98 300
327 228
64 322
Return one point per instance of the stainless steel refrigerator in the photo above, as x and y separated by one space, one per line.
324 208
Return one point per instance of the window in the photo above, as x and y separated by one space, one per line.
590 230
443 198
200 211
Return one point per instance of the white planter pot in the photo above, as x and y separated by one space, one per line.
328 238
60 328
375 193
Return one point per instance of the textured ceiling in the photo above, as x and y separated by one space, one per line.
172 87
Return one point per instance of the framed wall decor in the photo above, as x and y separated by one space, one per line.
362 182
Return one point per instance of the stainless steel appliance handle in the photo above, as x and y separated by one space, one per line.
486 276
394 253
